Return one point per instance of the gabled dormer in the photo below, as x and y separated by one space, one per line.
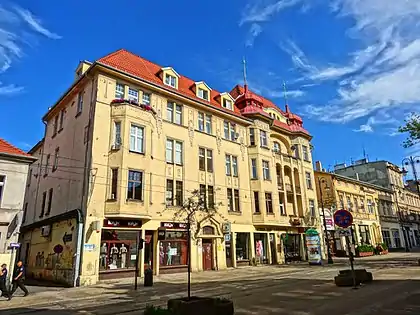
202 90
170 77
227 101
82 68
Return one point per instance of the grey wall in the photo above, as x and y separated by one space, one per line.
374 173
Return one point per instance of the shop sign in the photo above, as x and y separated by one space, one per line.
226 228
161 234
174 225
122 223
14 245
89 247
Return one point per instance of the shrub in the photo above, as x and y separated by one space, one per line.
153 310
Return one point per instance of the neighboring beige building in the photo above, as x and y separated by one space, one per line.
126 145
14 166
365 201
400 227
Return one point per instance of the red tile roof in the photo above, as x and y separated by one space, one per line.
6 147
137 66
145 69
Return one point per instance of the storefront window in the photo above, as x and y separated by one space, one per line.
260 247
387 238
396 236
173 250
364 234
118 249
242 246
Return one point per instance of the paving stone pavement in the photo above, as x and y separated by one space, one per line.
296 289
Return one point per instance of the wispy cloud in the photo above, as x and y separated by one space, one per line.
384 75
17 25
262 11
35 23
254 31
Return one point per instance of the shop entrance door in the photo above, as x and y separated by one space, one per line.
273 249
207 254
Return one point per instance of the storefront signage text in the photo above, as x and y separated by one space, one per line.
174 225
121 223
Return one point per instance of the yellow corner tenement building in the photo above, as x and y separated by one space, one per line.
367 202
124 147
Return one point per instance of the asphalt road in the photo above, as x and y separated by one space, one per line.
292 290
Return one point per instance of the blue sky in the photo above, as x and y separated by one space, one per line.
352 67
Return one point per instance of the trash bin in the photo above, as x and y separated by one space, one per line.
148 277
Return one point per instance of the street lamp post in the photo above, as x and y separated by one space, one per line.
330 260
412 161
400 220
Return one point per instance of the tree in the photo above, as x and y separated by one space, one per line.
194 212
412 126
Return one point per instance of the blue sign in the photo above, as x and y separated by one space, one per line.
343 218
14 245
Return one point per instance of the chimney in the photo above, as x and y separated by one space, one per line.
357 176
318 166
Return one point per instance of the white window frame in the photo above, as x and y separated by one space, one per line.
266 170
231 165
119 91
229 131
174 151
202 93
308 179
208 124
263 139
2 185
174 113
228 104
133 94
136 136
117 133
312 208
254 169
170 80
148 98
80 102
305 153
201 121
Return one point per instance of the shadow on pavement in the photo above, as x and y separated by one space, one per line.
291 296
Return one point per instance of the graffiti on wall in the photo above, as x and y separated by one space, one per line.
52 258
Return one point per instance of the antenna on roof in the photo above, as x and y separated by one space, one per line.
285 97
244 70
364 152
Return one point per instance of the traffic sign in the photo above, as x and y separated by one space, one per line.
344 232
343 218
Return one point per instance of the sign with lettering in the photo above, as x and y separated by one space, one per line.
122 223
174 225
161 234
226 228
14 245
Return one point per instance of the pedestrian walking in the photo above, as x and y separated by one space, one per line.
19 279
3 285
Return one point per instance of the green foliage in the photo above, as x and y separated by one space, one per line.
365 248
153 310
412 127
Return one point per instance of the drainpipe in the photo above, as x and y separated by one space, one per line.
85 195
77 264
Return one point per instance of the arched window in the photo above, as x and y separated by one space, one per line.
208 230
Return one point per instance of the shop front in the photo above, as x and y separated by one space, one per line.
173 247
242 250
119 248
261 248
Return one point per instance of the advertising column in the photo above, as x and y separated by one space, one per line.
313 244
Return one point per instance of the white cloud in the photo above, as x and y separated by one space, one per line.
254 31
17 25
35 23
383 76
263 10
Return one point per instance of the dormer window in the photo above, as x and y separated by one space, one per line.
228 104
204 94
170 80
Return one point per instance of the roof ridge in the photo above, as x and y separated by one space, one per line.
7 147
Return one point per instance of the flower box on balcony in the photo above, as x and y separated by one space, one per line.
365 254
145 107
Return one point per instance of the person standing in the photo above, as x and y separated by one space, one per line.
19 279
3 280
